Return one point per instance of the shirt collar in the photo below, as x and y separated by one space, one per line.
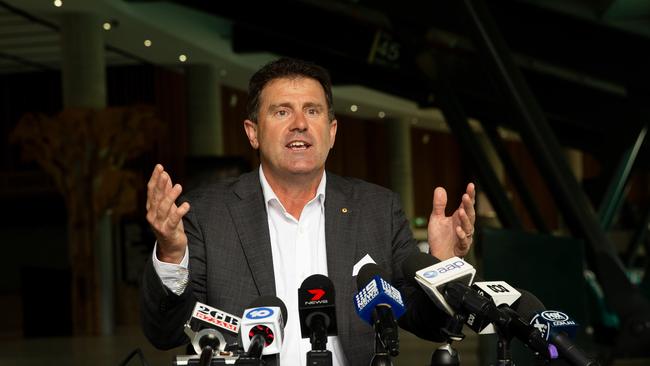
269 195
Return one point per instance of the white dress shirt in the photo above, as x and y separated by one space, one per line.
298 250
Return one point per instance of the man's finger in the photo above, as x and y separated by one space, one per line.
176 215
164 183
465 222
167 202
439 201
471 191
464 241
462 235
468 206
159 189
151 186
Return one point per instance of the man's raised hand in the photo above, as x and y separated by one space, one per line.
165 218
451 236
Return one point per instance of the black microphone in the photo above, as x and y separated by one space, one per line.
379 304
555 326
317 310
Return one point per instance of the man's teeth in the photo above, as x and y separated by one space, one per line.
298 144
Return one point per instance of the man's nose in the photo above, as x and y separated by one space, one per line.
299 123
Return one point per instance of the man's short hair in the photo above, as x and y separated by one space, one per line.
286 68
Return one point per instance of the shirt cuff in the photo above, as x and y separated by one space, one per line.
173 276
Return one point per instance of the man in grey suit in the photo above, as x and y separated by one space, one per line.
264 232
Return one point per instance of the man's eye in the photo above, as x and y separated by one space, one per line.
312 111
282 113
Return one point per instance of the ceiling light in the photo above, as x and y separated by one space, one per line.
381 114
107 26
58 3
354 108
147 43
182 58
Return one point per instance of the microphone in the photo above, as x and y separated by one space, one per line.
506 320
204 330
447 284
555 326
500 293
558 328
379 304
262 327
317 310
433 275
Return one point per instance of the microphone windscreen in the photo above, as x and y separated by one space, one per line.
270 300
317 281
416 262
367 272
316 299
527 306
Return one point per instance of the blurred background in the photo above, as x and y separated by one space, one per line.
544 104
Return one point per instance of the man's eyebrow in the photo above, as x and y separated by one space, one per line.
279 105
313 104
289 105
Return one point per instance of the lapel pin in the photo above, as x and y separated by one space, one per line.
344 210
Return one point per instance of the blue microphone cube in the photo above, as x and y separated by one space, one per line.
376 292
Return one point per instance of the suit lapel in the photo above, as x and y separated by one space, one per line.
251 222
341 216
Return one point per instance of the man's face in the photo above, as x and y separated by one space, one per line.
293 132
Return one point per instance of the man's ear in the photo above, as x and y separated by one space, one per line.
333 126
251 131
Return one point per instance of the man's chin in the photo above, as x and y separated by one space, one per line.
304 170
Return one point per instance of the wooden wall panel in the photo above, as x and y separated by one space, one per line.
437 161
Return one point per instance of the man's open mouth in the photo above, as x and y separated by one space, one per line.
298 145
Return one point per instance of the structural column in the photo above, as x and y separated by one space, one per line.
574 162
84 65
204 111
484 207
92 258
401 168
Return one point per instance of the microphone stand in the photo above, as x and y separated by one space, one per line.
381 357
446 355
319 355
253 356
504 355
206 356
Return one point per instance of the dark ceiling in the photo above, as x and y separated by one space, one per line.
590 76
583 60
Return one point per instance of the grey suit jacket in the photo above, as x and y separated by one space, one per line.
231 263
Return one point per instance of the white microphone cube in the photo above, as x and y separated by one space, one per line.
433 279
266 321
500 292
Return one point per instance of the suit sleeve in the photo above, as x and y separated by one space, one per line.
422 317
163 313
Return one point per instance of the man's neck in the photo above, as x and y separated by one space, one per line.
294 192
